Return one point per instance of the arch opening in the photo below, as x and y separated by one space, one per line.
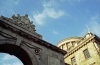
16 51
7 59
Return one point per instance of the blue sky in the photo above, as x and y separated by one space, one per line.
6 59
57 19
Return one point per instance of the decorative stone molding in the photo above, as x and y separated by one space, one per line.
7 38
37 50
35 37
80 45
22 21
93 63
29 47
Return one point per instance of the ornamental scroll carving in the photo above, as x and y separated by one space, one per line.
5 38
24 22
37 50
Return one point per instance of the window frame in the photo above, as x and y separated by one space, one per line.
73 62
86 53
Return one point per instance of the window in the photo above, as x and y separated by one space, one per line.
64 46
73 60
86 53
60 47
68 45
73 43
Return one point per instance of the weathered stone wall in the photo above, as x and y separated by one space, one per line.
80 58
40 52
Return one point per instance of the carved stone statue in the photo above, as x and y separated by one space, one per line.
18 16
24 21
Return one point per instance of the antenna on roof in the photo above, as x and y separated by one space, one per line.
88 29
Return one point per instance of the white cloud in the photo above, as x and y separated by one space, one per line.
94 18
15 63
72 2
53 13
48 12
39 18
6 64
10 3
55 32
49 4
94 25
96 28
83 32
15 2
7 6
7 57
9 60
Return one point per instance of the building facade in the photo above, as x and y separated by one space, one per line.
18 37
81 50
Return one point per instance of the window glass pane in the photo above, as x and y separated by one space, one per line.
86 53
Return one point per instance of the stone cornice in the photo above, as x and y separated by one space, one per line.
80 45
18 26
6 24
97 39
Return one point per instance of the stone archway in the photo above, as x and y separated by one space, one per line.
18 37
16 51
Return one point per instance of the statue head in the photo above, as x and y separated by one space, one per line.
18 15
26 15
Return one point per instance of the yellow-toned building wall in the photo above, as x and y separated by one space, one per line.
80 58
